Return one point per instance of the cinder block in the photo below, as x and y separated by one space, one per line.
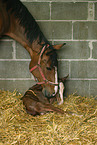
94 51
56 30
63 68
93 88
14 69
77 87
84 69
95 11
69 11
20 85
74 50
90 11
85 30
40 11
6 50
21 52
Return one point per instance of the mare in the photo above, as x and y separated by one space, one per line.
17 22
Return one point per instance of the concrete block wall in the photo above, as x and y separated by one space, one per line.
70 21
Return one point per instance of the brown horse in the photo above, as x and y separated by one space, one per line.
19 24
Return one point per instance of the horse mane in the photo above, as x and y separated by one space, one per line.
32 29
25 19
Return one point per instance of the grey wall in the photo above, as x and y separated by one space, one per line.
70 21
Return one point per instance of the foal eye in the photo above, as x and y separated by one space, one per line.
48 68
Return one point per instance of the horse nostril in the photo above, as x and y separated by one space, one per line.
45 92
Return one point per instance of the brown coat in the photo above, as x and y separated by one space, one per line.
36 103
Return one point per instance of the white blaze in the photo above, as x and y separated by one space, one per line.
56 81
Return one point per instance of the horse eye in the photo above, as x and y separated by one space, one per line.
48 68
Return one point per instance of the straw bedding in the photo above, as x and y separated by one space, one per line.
19 128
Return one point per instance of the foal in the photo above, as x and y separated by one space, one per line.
36 103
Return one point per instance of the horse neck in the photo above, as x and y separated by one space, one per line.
17 26
17 32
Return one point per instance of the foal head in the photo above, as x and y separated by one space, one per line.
43 66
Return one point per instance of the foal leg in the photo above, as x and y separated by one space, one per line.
44 108
35 107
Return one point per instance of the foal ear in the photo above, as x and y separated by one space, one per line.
57 47
63 79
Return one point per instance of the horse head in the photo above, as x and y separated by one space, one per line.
44 67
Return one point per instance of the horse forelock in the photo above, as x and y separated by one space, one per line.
54 60
53 56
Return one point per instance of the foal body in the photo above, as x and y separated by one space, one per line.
36 103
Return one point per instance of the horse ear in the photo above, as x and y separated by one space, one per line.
57 47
